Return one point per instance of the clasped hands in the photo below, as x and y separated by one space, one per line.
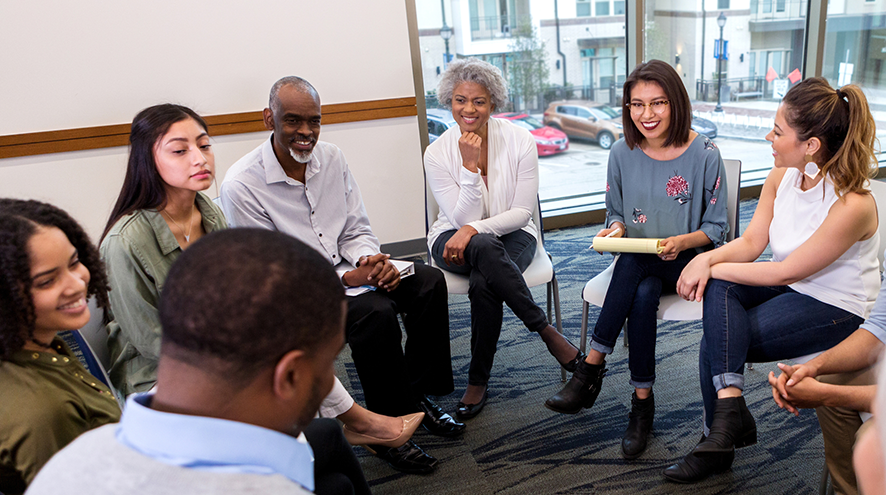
796 388
376 270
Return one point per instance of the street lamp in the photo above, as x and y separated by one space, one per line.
721 21
445 33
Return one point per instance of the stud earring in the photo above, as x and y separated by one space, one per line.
811 169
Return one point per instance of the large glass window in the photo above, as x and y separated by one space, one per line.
570 95
735 86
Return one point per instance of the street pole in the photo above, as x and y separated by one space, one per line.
445 31
721 21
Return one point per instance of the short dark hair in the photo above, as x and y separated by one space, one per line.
681 108
143 188
239 299
19 221
298 83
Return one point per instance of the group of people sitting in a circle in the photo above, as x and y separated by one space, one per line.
194 334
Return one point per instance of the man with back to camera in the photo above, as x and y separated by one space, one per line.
294 184
240 377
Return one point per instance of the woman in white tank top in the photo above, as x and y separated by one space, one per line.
820 219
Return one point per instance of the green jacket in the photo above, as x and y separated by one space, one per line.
138 251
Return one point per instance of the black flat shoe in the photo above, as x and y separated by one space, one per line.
573 364
468 411
437 422
407 458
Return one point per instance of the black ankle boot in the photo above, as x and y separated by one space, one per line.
642 410
580 391
733 427
693 468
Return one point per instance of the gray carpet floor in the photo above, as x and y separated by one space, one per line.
517 446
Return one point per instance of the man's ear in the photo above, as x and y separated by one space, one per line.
292 375
268 117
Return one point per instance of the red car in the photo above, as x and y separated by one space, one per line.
548 140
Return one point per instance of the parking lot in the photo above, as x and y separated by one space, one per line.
567 179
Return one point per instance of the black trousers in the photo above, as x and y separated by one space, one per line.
336 469
394 378
495 266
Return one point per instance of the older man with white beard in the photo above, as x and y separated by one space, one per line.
298 185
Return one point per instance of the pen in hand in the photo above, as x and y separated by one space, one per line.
616 231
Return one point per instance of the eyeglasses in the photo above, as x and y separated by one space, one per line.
658 106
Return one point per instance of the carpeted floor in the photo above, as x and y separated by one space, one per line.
517 446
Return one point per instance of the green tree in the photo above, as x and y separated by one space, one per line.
527 66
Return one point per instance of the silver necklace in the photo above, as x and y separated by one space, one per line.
190 224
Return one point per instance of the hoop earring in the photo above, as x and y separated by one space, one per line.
811 169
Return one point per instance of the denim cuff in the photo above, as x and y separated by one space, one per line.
729 380
636 384
597 346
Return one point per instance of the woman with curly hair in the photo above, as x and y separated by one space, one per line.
48 269
484 176
819 218
664 181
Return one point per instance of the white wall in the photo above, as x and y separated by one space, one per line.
98 62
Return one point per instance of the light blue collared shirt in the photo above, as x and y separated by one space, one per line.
211 444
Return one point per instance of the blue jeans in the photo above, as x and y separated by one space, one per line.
638 282
760 325
495 266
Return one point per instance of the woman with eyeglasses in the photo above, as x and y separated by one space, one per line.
664 181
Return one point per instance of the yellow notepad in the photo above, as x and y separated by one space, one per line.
627 245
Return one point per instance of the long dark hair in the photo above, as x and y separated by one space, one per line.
143 188
19 220
681 108
842 121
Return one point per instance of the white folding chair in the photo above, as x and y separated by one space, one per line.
540 270
671 306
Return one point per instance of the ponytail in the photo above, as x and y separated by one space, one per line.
842 121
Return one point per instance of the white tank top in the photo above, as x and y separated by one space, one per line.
853 280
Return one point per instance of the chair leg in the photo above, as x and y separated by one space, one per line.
583 338
624 330
825 487
555 289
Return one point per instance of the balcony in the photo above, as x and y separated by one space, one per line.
495 27
770 10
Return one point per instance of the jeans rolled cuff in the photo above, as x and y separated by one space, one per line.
643 384
597 346
729 380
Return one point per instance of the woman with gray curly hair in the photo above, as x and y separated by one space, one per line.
484 176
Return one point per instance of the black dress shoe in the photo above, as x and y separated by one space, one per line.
468 411
437 422
407 458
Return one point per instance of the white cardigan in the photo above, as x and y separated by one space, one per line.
500 208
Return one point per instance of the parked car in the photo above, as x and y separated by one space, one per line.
548 140
704 126
586 119
439 120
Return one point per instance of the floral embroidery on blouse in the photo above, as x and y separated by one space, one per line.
637 216
709 145
607 187
678 188
711 191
